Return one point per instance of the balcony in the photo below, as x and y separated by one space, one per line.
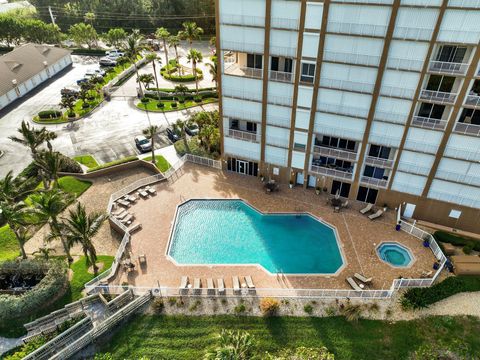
456 177
449 68
338 174
473 100
374 181
334 152
468 129
243 135
237 70
379 162
429 123
438 96
281 76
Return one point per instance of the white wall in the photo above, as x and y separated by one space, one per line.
310 45
276 155
242 109
460 26
243 87
279 115
244 39
407 55
277 136
302 119
393 110
455 193
348 77
353 50
342 102
460 171
244 149
298 159
423 140
280 93
305 96
463 147
385 134
337 125
358 19
285 14
399 83
408 183
417 163
415 23
283 43
313 16
245 12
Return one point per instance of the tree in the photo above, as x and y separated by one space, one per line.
39 32
213 69
233 345
175 41
115 37
44 252
49 164
16 216
82 33
132 48
8 189
163 34
146 80
181 89
152 57
80 228
11 29
194 56
179 127
89 18
85 88
49 205
190 32
68 102
150 133
33 138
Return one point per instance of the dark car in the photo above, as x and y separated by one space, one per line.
143 144
191 129
82 80
70 91
172 135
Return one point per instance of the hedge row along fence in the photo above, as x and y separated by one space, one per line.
468 244
53 284
190 95
92 52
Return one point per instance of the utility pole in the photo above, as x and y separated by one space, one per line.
51 15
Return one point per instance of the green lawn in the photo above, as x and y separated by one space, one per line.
152 105
8 244
113 163
82 276
87 160
177 337
72 185
162 163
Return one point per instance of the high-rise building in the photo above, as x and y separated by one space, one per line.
378 100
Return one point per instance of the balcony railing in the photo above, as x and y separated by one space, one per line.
453 198
241 94
473 100
243 135
352 58
278 120
242 46
232 112
247 20
438 96
284 23
415 33
358 29
276 141
281 76
374 161
443 67
421 146
331 172
461 178
235 69
347 85
429 123
404 64
280 99
470 129
336 153
413 168
373 181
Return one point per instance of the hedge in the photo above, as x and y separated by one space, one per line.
456 240
53 283
417 298
187 96
166 73
113 163
49 114
93 52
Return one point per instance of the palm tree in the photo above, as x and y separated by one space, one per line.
68 102
180 127
146 80
150 133
132 48
180 89
152 57
190 32
194 56
16 216
233 345
32 138
175 41
49 164
44 252
163 34
213 67
80 228
8 188
49 205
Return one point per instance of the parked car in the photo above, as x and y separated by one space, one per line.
70 91
106 61
192 129
113 54
95 72
83 80
172 135
143 144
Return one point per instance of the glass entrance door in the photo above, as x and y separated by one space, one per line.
242 167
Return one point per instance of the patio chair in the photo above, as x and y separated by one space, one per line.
426 274
345 204
130 198
121 215
197 286
353 284
151 190
367 209
127 219
250 284
221 286
143 193
134 227
362 278
118 212
236 285
210 287
184 285
378 214
123 203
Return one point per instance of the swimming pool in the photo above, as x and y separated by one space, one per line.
232 232
395 254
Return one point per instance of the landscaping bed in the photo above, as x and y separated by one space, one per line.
170 72
172 105
468 244
194 147
113 163
160 162
86 160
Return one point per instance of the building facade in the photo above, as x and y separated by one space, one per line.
378 100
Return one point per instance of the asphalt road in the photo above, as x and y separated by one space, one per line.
106 134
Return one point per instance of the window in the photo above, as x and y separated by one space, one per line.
336 143
288 65
374 172
254 61
274 63
308 72
470 116
251 126
433 111
234 124
299 147
367 195
452 54
342 186
382 152
440 83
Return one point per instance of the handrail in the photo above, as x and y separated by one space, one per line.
335 152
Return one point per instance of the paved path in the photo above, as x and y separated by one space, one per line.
7 344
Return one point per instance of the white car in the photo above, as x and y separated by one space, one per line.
106 61
114 54
95 72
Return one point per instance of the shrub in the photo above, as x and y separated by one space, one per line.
456 240
198 99
173 105
49 114
240 308
269 306
195 305
158 305
93 52
352 312
417 298
181 100
308 308
145 100
69 165
160 105
172 301
85 105
113 163
467 249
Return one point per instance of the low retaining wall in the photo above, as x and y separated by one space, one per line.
114 169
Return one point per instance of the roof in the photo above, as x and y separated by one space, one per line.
5 6
26 61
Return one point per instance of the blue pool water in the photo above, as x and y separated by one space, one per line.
394 254
232 232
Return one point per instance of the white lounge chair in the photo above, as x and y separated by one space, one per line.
184 285
118 212
210 287
367 209
127 219
353 284
236 285
197 286
151 190
376 215
250 284
345 204
134 227
221 286
123 203
426 274
143 193
362 278
121 215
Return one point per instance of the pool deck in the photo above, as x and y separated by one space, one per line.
358 236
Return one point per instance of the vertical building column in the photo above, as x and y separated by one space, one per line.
376 93
472 69
417 91
316 84
219 76
266 67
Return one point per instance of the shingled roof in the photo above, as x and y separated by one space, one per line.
26 61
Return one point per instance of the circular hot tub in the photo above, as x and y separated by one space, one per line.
395 254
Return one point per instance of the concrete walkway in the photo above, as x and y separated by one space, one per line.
7 344
168 152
